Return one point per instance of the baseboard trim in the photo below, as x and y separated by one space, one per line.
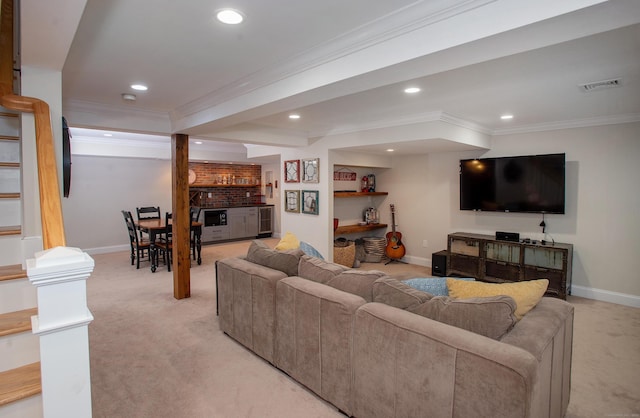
606 296
106 250
419 261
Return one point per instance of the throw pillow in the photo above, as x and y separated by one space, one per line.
394 293
285 261
437 286
357 282
491 316
309 250
288 242
526 294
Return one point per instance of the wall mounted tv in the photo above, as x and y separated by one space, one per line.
532 183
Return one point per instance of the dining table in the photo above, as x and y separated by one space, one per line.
155 227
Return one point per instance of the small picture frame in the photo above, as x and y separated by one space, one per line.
310 202
292 171
292 201
310 170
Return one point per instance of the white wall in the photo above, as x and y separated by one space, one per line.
103 186
601 219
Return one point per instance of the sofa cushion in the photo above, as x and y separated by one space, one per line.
397 294
526 294
492 316
437 286
284 261
357 282
312 268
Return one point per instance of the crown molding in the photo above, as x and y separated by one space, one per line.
570 124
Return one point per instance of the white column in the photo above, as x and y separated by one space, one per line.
59 275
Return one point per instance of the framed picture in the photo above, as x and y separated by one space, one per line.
292 201
292 171
310 169
310 202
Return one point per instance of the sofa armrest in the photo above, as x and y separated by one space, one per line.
408 365
246 295
547 333
314 329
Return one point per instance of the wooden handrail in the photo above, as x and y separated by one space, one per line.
6 47
50 203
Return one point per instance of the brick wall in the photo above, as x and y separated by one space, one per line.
214 185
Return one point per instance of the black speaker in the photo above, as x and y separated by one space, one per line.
439 263
508 236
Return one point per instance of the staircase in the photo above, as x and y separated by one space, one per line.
20 387
44 318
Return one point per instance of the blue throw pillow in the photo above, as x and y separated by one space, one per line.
309 250
437 286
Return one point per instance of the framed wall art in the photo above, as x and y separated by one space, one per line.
292 171
310 202
292 201
310 170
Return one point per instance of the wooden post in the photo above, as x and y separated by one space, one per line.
181 216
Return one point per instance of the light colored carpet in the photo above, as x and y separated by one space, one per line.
155 356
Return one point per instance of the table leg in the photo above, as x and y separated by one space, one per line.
153 250
199 247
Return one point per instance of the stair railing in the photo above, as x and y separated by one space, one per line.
59 273
50 204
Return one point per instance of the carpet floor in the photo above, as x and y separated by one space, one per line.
155 356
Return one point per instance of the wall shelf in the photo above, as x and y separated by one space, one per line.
349 229
208 186
358 194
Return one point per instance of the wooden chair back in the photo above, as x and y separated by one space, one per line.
148 212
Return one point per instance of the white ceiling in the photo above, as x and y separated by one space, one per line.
343 65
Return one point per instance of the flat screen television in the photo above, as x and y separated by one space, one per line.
532 183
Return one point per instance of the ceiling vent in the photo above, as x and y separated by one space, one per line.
599 85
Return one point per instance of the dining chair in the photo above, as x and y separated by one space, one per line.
138 245
148 212
195 215
165 242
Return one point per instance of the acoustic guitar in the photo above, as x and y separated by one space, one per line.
395 249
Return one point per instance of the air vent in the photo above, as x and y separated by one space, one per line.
598 85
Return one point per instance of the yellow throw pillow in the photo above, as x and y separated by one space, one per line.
526 294
288 242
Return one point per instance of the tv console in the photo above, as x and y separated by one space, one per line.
485 258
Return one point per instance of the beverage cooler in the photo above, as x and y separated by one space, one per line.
265 221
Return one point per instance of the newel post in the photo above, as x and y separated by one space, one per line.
60 275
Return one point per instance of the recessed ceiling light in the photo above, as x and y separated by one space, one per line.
198 142
390 150
412 90
229 16
294 116
139 87
129 97
506 117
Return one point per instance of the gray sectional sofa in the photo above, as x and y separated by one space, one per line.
367 343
